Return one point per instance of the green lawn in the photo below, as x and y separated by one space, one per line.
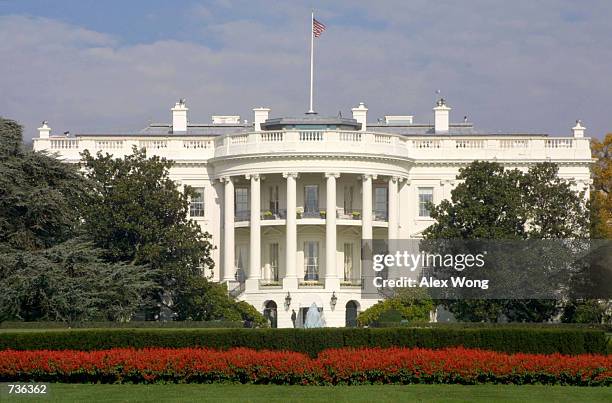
269 393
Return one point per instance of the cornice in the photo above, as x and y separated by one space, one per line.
281 155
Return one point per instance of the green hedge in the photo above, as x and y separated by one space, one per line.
312 341
216 324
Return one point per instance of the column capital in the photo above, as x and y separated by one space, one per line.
332 174
369 176
294 175
252 176
225 179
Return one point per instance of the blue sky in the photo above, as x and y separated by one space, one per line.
96 66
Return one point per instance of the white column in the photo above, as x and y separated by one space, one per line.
366 207
331 269
393 208
229 269
290 280
255 236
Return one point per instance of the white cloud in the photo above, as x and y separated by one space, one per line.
526 66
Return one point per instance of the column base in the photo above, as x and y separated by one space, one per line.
290 283
332 284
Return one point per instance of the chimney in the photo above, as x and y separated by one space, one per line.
441 117
44 131
360 115
578 130
179 117
261 115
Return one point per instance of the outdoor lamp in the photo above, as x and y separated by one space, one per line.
334 299
288 300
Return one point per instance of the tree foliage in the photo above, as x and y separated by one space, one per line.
200 299
137 214
46 272
411 304
601 194
69 282
39 196
491 202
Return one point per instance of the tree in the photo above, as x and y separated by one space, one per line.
601 192
46 271
201 299
587 311
39 195
492 203
138 215
69 282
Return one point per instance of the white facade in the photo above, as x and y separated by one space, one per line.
289 200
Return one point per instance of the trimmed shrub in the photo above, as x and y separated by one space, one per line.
42 325
313 341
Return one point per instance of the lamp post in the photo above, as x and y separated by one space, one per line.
288 301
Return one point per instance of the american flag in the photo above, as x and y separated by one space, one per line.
317 28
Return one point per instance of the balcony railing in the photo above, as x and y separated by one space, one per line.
242 215
422 147
316 213
281 214
273 214
380 215
415 147
270 283
351 214
354 282
320 283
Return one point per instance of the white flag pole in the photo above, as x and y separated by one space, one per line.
311 110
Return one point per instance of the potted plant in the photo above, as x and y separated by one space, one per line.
268 215
356 215
323 213
299 212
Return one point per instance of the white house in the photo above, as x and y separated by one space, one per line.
288 200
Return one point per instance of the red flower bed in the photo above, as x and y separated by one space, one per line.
337 366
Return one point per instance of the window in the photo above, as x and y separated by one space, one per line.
311 261
273 262
425 197
348 199
348 261
241 260
196 205
380 203
311 200
241 203
274 204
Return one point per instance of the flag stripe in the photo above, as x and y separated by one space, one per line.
317 28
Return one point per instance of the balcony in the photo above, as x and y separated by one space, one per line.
425 147
351 283
242 215
351 214
316 284
277 214
317 216
311 213
270 284
422 147
380 215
